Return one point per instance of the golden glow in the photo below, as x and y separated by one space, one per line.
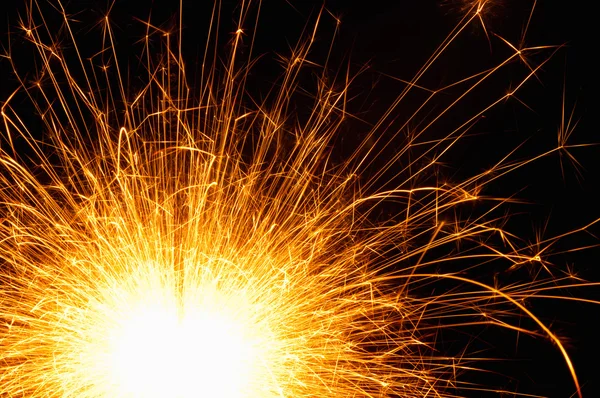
166 242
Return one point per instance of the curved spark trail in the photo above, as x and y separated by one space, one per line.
164 241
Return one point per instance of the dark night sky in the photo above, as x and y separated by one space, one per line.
395 38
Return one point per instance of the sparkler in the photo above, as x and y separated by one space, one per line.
179 243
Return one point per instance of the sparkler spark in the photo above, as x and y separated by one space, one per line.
173 243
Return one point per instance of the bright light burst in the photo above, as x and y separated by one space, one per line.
183 243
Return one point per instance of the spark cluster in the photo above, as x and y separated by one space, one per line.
177 241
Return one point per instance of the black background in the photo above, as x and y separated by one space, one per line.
395 38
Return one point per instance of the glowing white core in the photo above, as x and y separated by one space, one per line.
156 353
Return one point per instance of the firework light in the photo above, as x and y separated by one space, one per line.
178 239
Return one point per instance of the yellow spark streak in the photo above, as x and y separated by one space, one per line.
144 253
